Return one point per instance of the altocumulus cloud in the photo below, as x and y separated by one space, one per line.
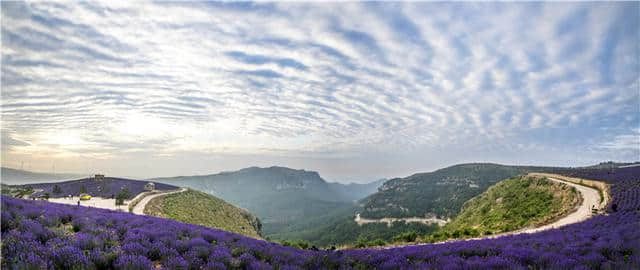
334 80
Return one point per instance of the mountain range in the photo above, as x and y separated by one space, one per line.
284 199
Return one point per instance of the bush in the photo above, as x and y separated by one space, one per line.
303 244
69 257
123 195
377 242
409 236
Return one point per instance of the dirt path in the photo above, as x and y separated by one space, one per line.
590 198
139 208
389 221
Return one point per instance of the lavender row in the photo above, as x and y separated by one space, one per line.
100 188
625 185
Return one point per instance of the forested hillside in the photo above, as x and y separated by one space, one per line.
440 193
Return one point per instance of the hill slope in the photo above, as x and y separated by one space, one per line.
440 193
199 208
513 204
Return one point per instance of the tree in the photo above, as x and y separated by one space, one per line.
123 195
83 189
57 189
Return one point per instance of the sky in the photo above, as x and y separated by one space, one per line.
355 91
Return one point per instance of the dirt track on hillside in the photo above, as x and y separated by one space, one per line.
590 198
139 208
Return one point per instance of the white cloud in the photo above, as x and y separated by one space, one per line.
312 78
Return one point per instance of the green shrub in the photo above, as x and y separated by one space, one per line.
409 236
303 244
377 242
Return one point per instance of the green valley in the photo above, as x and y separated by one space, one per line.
292 204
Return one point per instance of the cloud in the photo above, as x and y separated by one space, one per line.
629 142
8 141
314 78
260 59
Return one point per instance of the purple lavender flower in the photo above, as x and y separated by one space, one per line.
69 257
132 262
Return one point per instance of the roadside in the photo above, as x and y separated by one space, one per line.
138 209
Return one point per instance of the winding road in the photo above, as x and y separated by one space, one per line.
590 198
139 208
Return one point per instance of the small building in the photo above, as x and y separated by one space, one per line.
149 186
99 177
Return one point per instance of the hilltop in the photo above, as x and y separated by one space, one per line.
510 205
200 208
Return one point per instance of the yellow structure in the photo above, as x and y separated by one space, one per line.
85 197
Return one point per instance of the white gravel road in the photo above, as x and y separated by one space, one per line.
139 208
97 202
590 198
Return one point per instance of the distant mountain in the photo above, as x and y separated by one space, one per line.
355 191
440 193
282 198
200 208
16 177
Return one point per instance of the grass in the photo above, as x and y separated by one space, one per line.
203 209
510 205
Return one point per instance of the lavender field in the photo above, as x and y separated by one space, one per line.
103 188
41 235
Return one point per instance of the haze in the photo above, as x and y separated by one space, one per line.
355 91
